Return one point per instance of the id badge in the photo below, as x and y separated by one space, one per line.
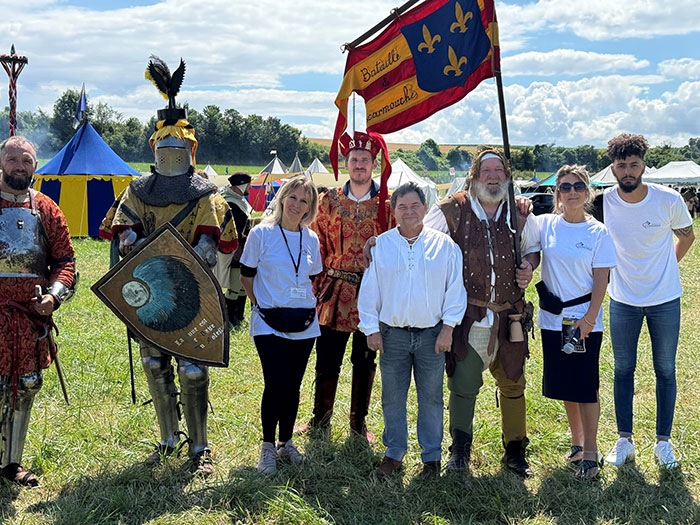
297 292
567 329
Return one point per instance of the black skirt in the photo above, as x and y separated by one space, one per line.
570 377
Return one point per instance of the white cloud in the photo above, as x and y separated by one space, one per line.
602 19
238 53
568 62
680 68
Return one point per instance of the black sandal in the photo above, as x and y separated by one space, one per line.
574 450
588 470
20 475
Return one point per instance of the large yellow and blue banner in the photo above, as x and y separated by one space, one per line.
427 59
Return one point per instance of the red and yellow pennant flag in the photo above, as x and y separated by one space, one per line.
427 59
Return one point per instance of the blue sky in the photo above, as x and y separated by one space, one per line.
575 72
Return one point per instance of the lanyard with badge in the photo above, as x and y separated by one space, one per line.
295 292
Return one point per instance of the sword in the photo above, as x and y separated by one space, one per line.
52 350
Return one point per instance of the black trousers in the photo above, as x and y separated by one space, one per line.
283 363
330 348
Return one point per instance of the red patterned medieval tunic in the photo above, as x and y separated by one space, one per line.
343 227
30 355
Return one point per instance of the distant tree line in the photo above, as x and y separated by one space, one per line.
227 137
223 137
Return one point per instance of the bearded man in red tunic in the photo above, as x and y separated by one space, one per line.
347 217
35 251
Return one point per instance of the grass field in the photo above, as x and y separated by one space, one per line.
89 454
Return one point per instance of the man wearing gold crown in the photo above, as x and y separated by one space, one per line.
172 193
347 217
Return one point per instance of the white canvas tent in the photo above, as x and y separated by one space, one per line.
458 184
677 172
321 177
401 173
296 166
211 172
316 167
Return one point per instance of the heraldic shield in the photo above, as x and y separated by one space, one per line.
167 297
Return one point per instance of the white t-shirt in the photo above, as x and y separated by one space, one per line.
570 251
647 271
275 283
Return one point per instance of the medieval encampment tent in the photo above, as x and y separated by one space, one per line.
266 184
401 173
296 166
676 172
83 179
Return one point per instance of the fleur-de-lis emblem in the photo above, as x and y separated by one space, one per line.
429 40
455 65
462 18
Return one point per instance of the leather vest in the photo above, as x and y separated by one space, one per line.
478 239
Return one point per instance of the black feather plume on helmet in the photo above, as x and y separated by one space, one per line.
168 84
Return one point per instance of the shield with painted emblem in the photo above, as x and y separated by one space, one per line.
168 297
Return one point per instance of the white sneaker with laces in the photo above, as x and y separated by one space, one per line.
663 450
622 452
290 452
268 458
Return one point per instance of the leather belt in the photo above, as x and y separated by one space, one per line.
349 277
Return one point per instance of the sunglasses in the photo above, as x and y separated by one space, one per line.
565 187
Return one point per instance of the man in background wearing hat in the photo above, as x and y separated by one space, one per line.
347 217
235 195
192 205
478 220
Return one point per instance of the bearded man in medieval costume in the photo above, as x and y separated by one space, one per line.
35 252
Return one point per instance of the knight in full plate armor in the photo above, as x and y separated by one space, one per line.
173 193
347 218
35 251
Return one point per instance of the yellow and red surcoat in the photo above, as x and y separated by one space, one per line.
343 227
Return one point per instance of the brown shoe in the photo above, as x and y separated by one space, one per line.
20 475
431 469
388 467
161 451
201 463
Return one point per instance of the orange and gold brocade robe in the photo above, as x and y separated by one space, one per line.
343 227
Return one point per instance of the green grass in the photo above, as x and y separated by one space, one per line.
89 454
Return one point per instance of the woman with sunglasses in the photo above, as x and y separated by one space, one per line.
577 254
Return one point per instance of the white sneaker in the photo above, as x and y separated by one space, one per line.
622 452
663 451
289 451
268 458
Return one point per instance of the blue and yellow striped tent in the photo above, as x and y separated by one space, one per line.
83 179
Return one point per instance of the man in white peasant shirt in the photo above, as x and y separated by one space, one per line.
410 299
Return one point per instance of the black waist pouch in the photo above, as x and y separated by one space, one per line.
291 320
552 304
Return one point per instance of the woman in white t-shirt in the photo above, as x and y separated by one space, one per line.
577 254
279 261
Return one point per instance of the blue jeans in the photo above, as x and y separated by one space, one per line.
663 322
407 349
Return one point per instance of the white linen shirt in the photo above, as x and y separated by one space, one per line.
529 239
412 285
